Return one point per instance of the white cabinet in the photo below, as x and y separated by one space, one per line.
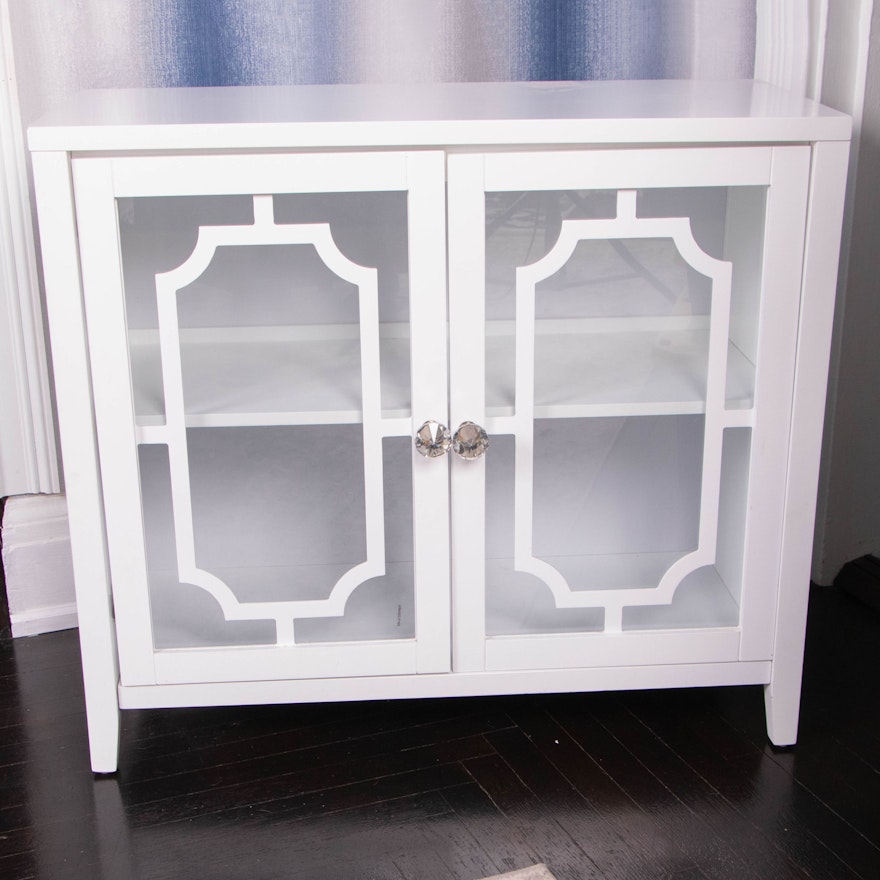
258 296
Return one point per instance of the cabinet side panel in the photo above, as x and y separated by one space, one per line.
828 181
114 414
776 346
81 475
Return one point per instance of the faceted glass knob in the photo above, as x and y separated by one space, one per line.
433 439
470 441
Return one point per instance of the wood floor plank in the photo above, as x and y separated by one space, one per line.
49 651
617 840
390 752
12 818
321 743
761 856
673 801
48 685
157 730
18 747
862 744
654 851
44 720
756 787
839 780
667 810
49 765
487 824
443 845
21 866
375 839
274 845
17 841
431 768
538 828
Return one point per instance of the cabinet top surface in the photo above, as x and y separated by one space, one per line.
439 114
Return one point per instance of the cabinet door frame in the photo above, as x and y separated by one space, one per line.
100 180
784 171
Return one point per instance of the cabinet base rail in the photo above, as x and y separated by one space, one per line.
460 684
104 727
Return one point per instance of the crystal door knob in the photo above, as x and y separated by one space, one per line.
470 441
433 439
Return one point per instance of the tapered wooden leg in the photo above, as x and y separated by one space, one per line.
782 696
102 706
783 709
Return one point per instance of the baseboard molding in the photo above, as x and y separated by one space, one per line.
861 579
44 620
37 564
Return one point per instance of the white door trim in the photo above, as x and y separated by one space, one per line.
28 461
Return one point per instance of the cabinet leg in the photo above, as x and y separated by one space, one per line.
782 711
100 679
782 696
104 742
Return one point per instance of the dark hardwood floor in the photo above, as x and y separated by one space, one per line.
665 784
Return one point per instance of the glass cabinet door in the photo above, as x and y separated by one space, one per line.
615 327
253 352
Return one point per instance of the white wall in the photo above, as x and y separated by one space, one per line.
848 518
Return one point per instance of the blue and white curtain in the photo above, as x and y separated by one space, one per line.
63 45
240 41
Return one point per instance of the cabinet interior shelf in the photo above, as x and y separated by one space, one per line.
255 376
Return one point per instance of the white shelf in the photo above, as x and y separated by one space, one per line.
259 377
257 380
646 372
